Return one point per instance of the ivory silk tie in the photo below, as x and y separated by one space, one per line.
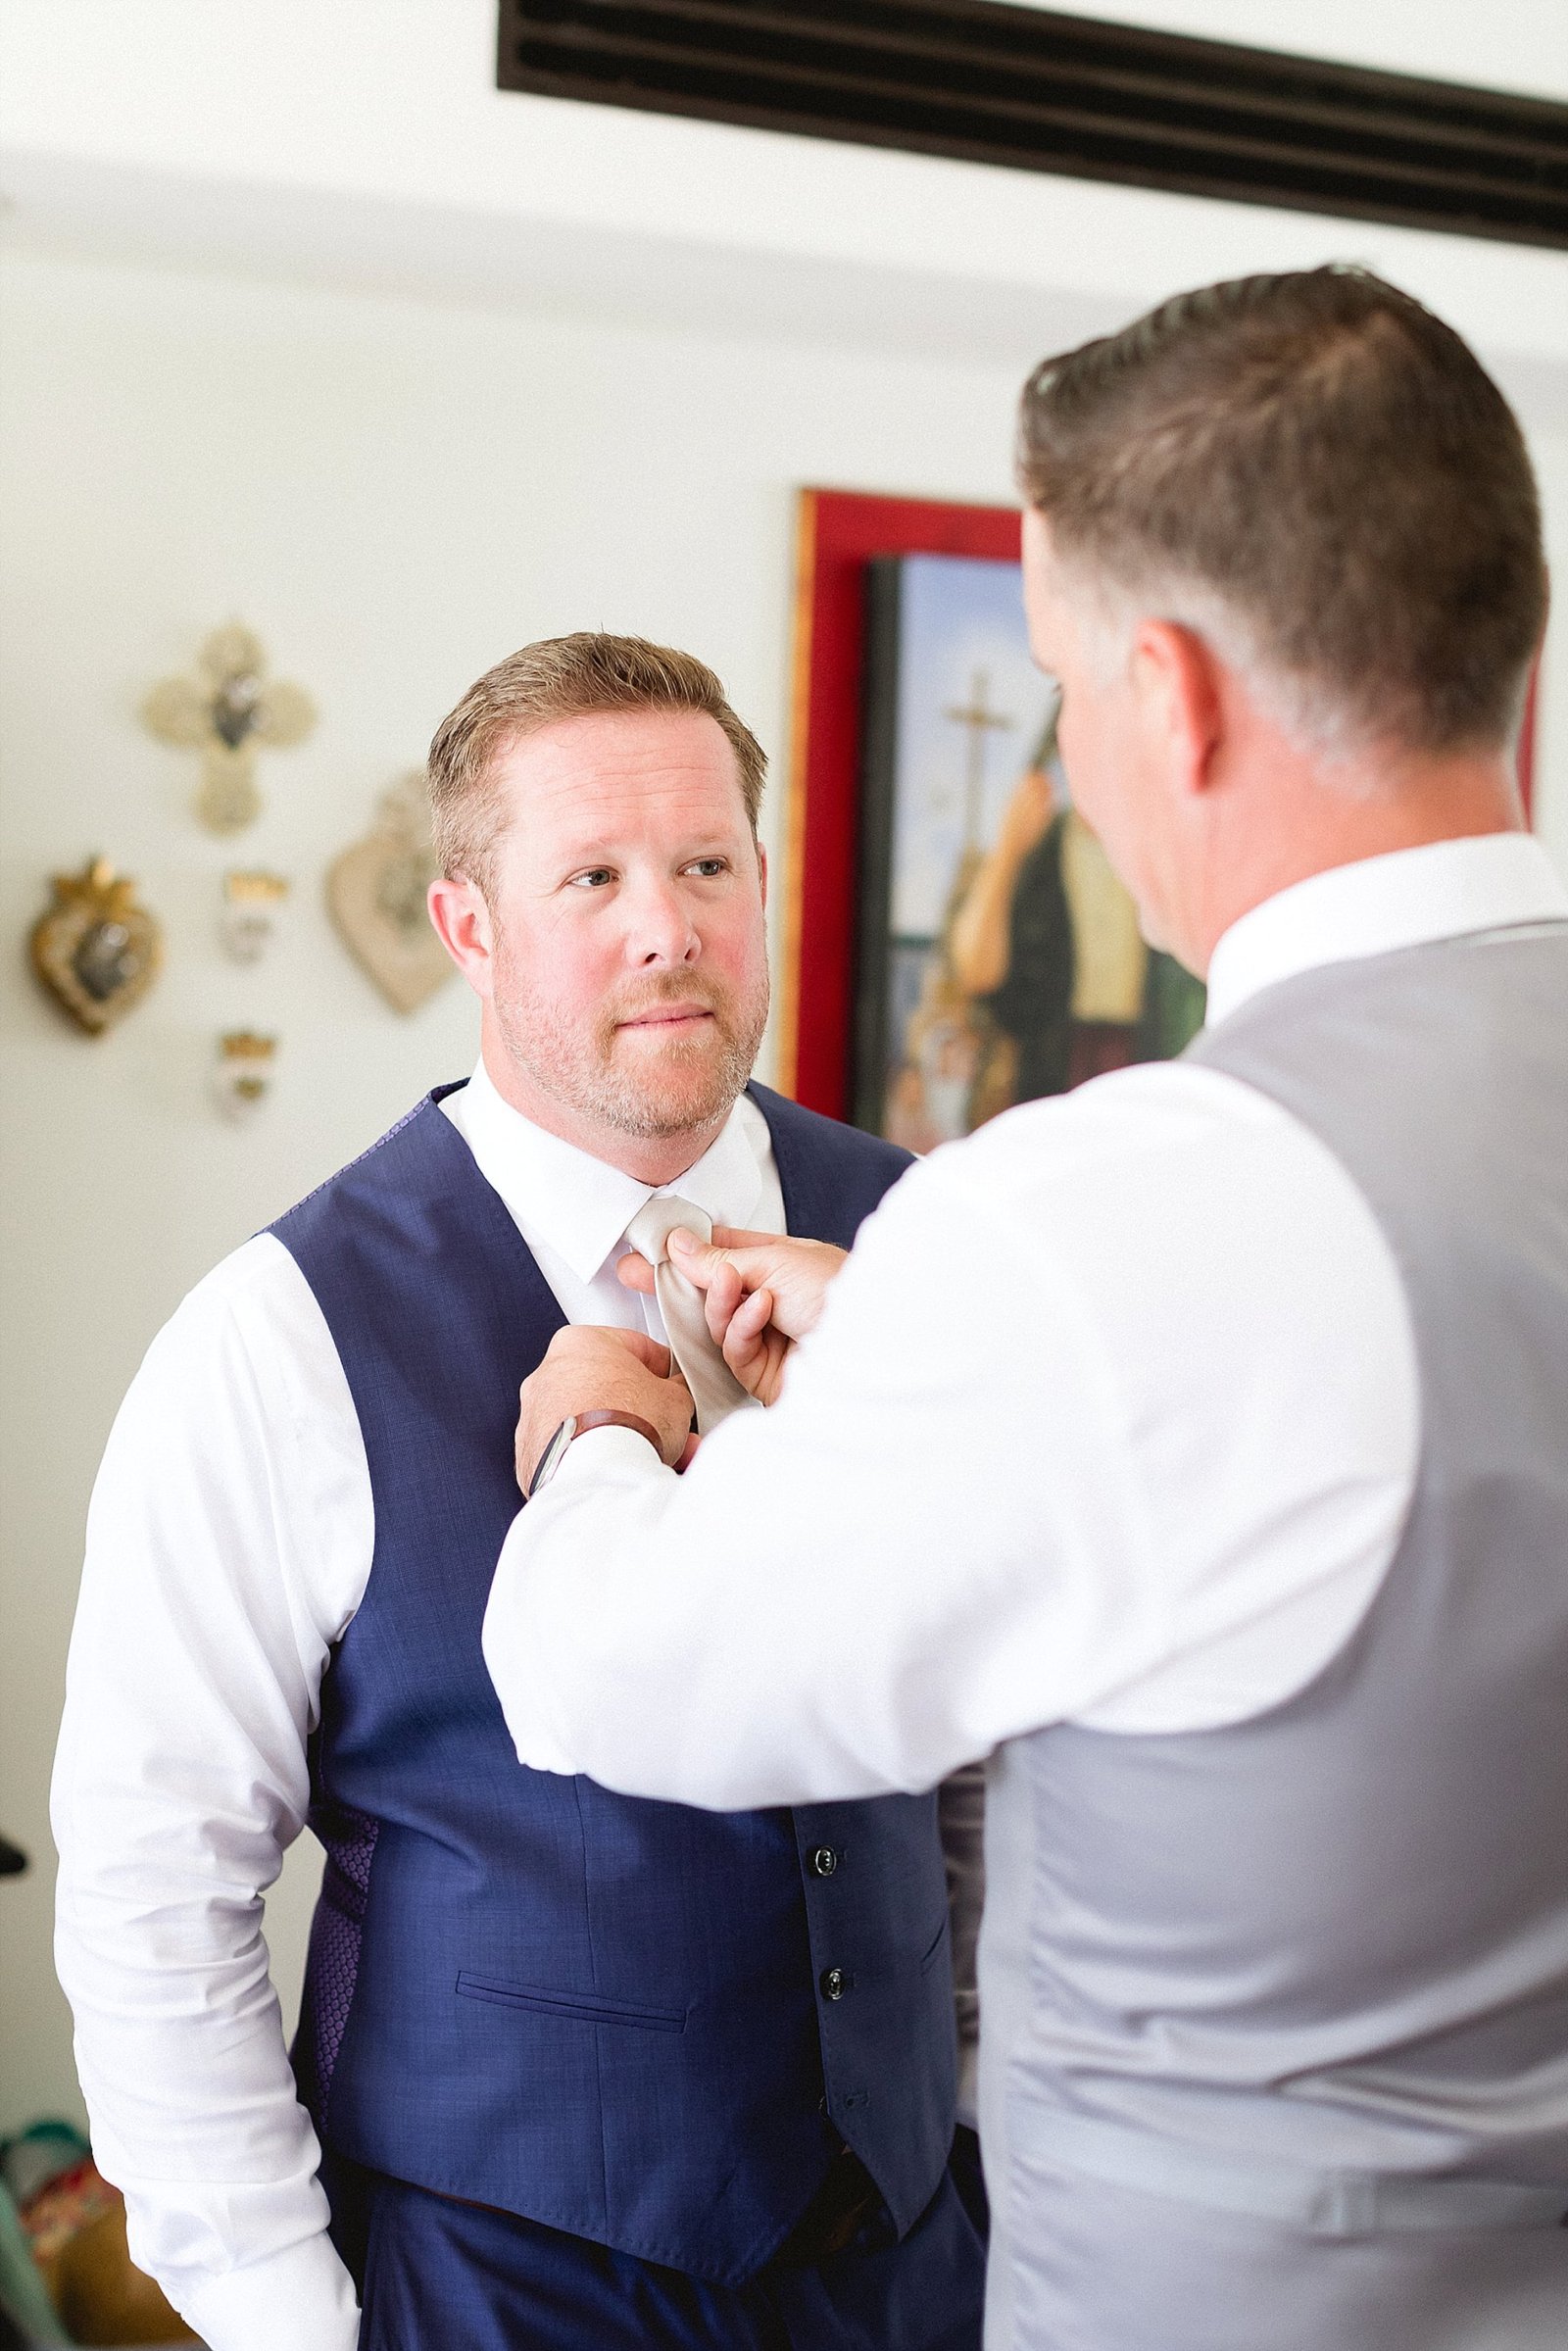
716 1391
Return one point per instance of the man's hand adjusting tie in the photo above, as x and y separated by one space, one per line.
761 1292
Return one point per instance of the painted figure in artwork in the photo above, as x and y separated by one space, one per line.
1046 944
1006 960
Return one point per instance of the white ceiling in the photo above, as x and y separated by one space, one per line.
364 146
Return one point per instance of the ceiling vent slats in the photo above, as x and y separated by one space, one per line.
1044 92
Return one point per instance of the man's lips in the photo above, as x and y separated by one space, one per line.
668 1016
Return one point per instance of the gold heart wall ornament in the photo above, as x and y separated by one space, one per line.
96 950
376 892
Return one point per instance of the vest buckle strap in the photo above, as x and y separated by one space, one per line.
1319 2203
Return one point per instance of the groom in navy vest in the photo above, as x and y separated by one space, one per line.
589 2071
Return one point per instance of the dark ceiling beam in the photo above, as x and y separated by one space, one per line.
1044 92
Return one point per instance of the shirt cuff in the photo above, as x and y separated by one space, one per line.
620 1452
303 2297
600 1462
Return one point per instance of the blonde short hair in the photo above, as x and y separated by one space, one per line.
562 677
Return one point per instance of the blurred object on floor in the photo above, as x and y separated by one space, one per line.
27 2315
38 2158
102 2297
69 2224
13 1860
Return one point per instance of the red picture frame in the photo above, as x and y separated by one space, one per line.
838 533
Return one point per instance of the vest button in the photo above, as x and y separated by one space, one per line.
825 1861
835 1983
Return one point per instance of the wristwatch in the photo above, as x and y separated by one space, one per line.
577 1424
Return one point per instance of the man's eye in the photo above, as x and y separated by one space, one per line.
709 867
596 878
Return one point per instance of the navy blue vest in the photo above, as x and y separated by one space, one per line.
614 2016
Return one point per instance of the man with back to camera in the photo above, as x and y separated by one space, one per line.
1196 1447
581 2066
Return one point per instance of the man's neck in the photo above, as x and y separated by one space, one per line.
1343 819
656 1159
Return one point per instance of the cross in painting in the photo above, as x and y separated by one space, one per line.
225 714
980 720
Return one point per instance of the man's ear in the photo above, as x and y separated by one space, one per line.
762 869
1177 689
462 925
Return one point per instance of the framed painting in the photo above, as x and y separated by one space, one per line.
957 942
840 534
954 940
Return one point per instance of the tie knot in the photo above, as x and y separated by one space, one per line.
650 1229
716 1391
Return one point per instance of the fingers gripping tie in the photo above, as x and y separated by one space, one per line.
716 1391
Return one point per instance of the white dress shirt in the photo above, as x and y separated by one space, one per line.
1113 1417
228 1548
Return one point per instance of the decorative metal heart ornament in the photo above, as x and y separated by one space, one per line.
376 892
96 950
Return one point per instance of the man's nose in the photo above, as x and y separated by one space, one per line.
662 928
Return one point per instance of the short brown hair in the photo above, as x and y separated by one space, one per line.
562 677
1334 464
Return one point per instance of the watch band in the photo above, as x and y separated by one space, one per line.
575 1425
618 1420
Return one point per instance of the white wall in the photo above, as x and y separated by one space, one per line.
395 491
373 140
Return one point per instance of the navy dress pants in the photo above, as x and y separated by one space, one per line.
445 2277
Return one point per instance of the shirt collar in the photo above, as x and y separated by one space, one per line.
580 1206
1406 898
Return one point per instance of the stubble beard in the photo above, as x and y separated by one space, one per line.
690 1084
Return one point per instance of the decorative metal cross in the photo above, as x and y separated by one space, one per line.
227 714
980 721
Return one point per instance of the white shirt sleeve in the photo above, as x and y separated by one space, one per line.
1112 1417
229 1544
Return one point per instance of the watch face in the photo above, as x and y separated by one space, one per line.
550 1458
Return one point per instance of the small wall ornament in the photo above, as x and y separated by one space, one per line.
252 915
243 1079
96 950
227 713
377 893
